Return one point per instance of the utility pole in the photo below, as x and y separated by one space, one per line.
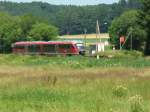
119 38
120 45
127 37
98 30
85 31
131 40
97 36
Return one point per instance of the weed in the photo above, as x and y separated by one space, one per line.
114 110
120 91
136 103
55 80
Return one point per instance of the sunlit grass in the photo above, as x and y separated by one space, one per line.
55 84
74 61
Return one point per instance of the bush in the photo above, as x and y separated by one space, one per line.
136 103
120 91
121 54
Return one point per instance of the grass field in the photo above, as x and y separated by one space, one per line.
74 84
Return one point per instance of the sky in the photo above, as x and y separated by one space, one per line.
68 2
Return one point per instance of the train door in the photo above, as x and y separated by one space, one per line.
49 49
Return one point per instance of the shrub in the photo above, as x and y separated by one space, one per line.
120 91
136 103
121 54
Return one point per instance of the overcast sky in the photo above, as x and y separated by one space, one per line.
73 2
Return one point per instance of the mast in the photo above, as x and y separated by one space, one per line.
98 31
97 37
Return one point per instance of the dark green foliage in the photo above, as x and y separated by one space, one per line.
42 31
134 3
23 28
10 31
72 19
27 21
127 26
144 20
123 3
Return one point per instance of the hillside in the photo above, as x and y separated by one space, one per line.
76 19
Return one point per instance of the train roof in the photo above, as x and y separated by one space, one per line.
42 42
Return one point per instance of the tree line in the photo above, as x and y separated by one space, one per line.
134 25
72 19
23 28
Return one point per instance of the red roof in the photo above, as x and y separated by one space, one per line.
42 42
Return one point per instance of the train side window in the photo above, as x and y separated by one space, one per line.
64 46
49 48
19 47
37 48
31 48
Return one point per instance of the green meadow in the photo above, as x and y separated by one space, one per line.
74 84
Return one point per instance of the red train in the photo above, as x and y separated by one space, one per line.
45 48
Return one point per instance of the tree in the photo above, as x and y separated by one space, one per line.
123 3
134 4
123 25
43 32
144 20
27 21
16 28
69 19
10 31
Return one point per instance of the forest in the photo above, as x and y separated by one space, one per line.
72 19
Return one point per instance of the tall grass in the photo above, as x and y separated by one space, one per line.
74 61
71 84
